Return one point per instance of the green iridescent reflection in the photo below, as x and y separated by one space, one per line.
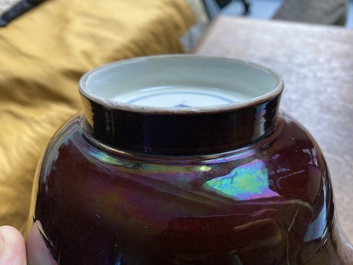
246 182
166 169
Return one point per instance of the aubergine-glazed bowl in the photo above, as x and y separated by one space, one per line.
185 160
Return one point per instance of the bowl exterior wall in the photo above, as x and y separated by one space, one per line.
269 202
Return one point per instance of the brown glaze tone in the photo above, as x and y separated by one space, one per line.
262 195
110 206
316 64
118 208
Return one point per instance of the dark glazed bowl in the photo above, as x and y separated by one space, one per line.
185 160
180 105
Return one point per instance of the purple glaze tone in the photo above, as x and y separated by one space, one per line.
97 206
243 200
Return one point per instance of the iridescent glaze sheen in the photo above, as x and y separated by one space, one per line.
266 202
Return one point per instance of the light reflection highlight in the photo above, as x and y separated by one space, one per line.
247 182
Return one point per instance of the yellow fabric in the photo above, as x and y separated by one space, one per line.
42 56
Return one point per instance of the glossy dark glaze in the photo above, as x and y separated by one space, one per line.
189 133
269 202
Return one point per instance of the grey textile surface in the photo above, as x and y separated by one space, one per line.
327 12
6 4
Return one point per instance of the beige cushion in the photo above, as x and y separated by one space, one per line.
44 53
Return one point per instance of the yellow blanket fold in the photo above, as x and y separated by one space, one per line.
42 56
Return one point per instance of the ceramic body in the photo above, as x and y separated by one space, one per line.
252 189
